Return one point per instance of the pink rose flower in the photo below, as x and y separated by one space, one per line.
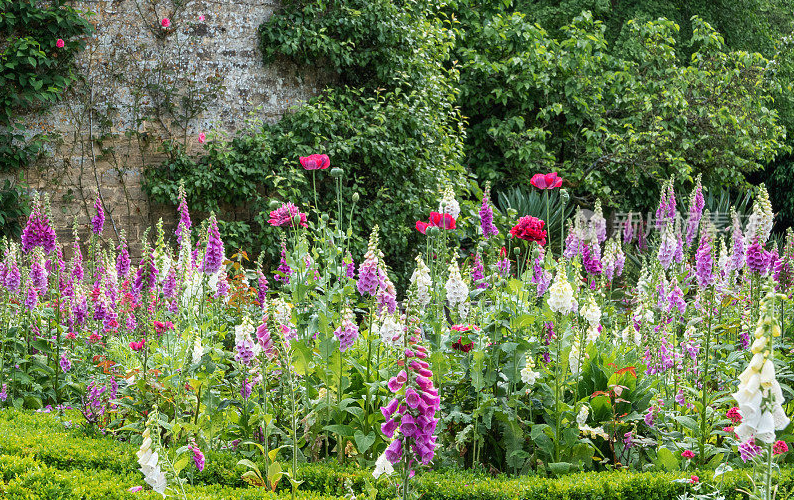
165 22
60 43
202 138
201 17
688 454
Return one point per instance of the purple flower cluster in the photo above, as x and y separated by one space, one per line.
66 363
264 339
348 332
368 275
704 263
123 260
213 254
184 225
37 232
4 393
591 258
244 350
350 266
413 409
283 270
98 221
478 273
749 450
756 260
198 456
486 217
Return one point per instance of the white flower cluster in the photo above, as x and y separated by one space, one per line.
592 313
528 375
760 397
574 357
449 205
421 277
149 460
457 291
759 224
391 330
282 311
561 292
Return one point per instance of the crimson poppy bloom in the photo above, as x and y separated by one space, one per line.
531 229
422 226
315 162
444 221
546 181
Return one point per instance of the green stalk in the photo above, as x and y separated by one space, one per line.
704 390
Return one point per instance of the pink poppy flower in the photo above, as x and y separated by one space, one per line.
315 162
60 43
165 22
546 181
444 221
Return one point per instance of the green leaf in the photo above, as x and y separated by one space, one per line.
363 442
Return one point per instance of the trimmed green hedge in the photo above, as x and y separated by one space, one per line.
39 458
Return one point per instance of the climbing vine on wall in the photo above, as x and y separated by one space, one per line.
36 67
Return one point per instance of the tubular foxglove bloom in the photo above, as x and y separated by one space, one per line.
37 232
149 459
591 258
348 332
759 396
667 247
213 253
457 290
411 415
123 259
198 456
599 223
387 294
675 300
737 243
368 269
98 221
628 230
573 242
183 227
528 375
561 293
696 204
264 338
283 271
610 259
246 350
704 262
540 276
478 273
486 215
261 289
756 257
423 282
449 205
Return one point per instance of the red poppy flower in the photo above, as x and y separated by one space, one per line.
422 226
546 181
444 221
315 162
531 229
460 346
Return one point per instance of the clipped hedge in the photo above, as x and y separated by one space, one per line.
28 478
39 458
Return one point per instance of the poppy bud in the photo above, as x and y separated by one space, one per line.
337 172
355 197
274 204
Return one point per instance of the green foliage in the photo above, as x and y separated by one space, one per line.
41 459
614 123
387 118
34 73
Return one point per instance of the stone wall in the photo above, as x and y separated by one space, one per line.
145 84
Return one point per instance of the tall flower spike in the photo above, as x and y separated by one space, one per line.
423 281
213 254
704 261
760 396
561 293
599 223
457 291
667 248
98 221
486 214
37 232
449 205
368 269
696 205
183 228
